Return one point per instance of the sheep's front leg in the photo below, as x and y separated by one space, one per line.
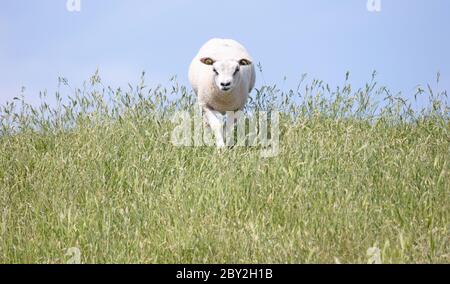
234 118
215 122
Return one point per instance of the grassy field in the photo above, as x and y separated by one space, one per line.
97 173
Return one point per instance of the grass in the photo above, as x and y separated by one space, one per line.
97 172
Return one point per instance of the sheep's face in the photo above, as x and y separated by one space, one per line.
226 73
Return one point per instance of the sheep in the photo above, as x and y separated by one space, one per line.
222 75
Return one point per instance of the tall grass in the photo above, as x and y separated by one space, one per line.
96 171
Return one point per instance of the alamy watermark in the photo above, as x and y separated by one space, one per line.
260 129
73 5
374 5
74 255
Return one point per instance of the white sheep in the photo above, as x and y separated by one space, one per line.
222 75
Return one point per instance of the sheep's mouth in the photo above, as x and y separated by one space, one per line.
225 89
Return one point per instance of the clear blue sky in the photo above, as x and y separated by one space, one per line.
407 42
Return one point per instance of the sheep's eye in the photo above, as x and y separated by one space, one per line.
237 70
244 62
215 71
207 61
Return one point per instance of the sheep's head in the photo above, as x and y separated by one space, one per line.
227 73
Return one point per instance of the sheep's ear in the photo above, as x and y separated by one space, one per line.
244 62
207 61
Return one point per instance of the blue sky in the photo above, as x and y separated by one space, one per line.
407 42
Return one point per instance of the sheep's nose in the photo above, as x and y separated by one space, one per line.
227 84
